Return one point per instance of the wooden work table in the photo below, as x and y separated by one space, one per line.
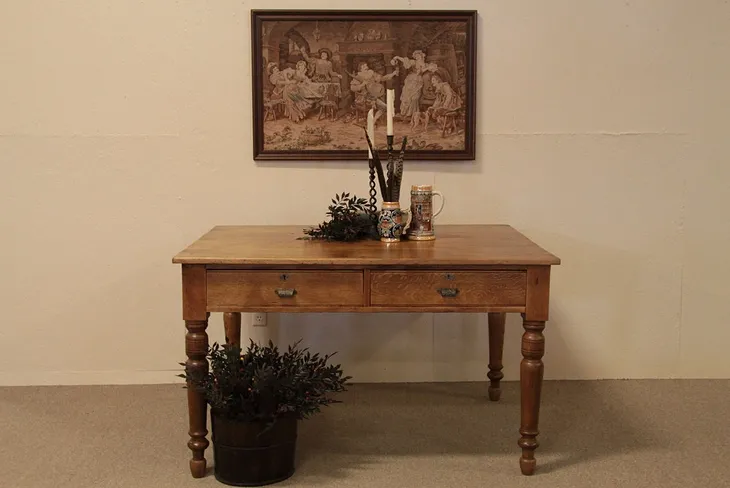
469 268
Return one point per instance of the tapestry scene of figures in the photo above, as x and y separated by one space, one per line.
321 77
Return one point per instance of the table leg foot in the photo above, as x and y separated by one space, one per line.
531 373
496 346
527 466
197 467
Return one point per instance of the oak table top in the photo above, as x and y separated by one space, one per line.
281 245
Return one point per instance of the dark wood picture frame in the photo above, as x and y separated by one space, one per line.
437 113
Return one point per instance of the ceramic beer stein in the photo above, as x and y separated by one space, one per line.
422 212
390 222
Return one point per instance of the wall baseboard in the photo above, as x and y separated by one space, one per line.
68 378
50 378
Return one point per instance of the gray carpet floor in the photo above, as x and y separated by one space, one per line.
664 433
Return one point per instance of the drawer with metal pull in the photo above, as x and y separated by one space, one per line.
229 289
446 288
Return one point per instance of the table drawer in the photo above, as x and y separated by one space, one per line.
445 288
240 288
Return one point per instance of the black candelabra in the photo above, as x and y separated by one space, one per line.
373 202
388 180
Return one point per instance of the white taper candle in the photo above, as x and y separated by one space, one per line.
390 103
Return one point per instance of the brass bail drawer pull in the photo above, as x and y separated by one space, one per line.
448 292
286 292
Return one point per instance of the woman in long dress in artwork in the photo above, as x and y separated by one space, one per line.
301 95
280 79
410 97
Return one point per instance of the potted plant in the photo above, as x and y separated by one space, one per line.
256 398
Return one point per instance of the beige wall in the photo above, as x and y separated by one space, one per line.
125 132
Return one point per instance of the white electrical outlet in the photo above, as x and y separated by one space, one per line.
259 319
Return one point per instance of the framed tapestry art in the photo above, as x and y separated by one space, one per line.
317 74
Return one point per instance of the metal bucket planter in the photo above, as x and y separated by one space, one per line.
253 453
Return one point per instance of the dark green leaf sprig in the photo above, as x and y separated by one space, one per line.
263 383
349 220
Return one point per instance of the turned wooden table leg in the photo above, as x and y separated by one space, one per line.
531 372
232 325
196 347
496 346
